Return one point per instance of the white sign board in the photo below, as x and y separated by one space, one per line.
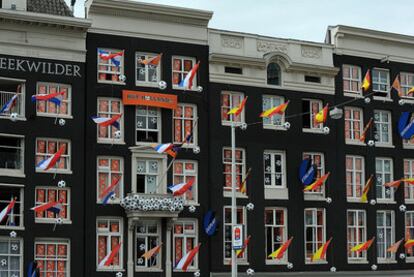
237 237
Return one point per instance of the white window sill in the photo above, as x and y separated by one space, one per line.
110 82
66 116
281 193
137 269
355 261
239 262
18 118
238 194
409 201
9 173
112 269
408 100
276 262
354 200
53 171
110 203
385 201
309 196
354 94
147 84
314 131
409 259
188 204
51 221
188 270
316 263
17 228
386 261
274 128
384 145
355 142
183 89
120 142
230 123
381 98
408 146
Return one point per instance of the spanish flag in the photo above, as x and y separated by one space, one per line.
396 87
320 254
408 180
365 131
409 243
319 182
393 184
363 246
152 252
243 185
367 187
278 254
240 252
275 110
366 83
394 248
322 115
237 110
410 91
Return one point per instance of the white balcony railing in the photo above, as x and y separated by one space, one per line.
140 202
6 96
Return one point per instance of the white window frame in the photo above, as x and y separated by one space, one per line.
313 128
161 158
21 98
316 195
284 260
379 185
315 244
121 66
405 86
10 241
351 79
68 100
147 116
52 220
231 106
100 169
379 132
353 139
145 235
20 201
55 241
109 235
272 171
273 122
389 257
227 192
361 235
409 228
182 119
189 173
55 170
147 83
353 171
182 71
387 84
15 172
190 234
110 113
409 189
243 260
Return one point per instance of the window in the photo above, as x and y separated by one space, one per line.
351 78
185 118
408 173
11 255
180 68
274 169
312 79
310 108
110 170
273 74
148 173
240 163
315 235
317 159
53 257
185 239
233 70
110 107
48 108
356 233
354 122
381 82
184 171
230 100
409 233
384 174
108 236
147 236
355 177
47 147
383 130
15 218
50 194
276 232
275 121
11 155
407 82
8 89
110 69
147 74
242 220
148 124
385 234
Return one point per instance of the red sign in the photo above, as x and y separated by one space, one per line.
168 101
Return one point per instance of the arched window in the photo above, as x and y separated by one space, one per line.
273 74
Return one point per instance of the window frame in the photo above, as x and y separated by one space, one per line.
279 73
68 100
380 184
109 235
55 241
351 79
183 72
353 257
194 235
52 220
386 243
10 241
243 260
408 189
316 195
145 235
120 185
15 172
352 120
19 201
229 122
274 118
121 67
354 172
272 226
405 86
312 128
161 158
55 170
147 116
313 226
409 233
272 172
227 192
110 140
379 83
379 142
186 174
21 98
182 119
147 83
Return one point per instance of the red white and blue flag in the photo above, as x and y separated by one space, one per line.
106 121
187 259
52 160
114 57
9 105
181 188
187 82
164 147
109 259
7 210
55 98
53 206
109 191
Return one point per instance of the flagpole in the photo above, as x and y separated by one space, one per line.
233 198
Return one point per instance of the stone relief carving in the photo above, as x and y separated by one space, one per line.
231 42
311 52
267 46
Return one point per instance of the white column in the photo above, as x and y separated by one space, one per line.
130 262
168 249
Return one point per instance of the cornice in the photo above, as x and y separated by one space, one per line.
225 58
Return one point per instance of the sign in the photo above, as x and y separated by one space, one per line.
210 223
238 237
160 100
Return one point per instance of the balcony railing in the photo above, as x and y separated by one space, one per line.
140 202
6 96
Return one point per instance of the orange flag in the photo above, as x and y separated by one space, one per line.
152 252
367 187
243 185
365 131
394 248
318 183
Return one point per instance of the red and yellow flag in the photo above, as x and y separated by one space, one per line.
367 187
409 243
243 185
363 246
152 252
320 254
240 252
365 131
410 181
319 182
275 110
322 115
396 86
394 248
278 254
393 184
366 83
237 110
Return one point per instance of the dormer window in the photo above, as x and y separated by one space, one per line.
273 74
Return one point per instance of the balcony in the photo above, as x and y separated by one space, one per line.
152 205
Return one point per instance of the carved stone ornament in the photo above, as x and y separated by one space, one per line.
311 52
267 46
231 42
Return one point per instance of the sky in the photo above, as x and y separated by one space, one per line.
299 19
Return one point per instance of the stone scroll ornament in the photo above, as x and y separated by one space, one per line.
210 223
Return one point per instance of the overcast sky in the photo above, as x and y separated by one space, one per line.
299 19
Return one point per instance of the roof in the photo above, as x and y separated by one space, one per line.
53 7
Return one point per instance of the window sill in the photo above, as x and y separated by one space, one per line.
188 270
409 259
112 269
408 100
18 118
147 84
110 203
14 228
409 201
357 95
110 82
54 115
276 193
313 197
358 262
276 262
111 142
183 89
230 123
316 263
275 128
137 269
383 201
408 146
384 145
195 204
51 221
355 142
314 131
17 174
354 200
381 98
51 171
386 261
238 194
240 262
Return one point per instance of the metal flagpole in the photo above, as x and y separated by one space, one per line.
233 198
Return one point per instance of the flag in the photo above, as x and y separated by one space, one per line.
181 188
367 187
409 243
396 86
7 210
33 270
106 121
109 191
52 206
10 104
363 246
109 259
152 252
410 91
394 248
52 160
187 82
320 254
318 183
393 184
187 259
164 147
240 252
278 254
365 131
275 110
322 115
52 97
243 185
307 171
152 61
114 57
366 83
408 180
237 110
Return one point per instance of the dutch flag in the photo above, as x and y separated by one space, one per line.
109 259
187 82
51 161
7 210
162 148
181 188
52 97
115 57
9 105
106 121
187 259
54 207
